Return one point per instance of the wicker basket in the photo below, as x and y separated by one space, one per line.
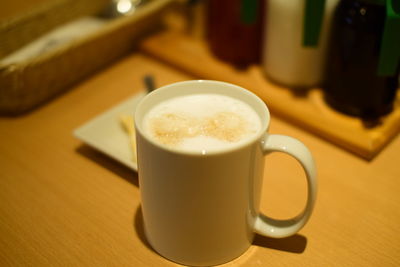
29 83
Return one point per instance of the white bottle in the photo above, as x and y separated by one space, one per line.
285 60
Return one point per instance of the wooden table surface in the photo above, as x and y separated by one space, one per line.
62 203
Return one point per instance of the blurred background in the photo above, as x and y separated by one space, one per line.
328 60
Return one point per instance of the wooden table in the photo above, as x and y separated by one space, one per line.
64 204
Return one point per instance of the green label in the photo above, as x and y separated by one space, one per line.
248 11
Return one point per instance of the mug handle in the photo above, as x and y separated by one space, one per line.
267 226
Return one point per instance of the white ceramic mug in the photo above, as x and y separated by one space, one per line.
204 209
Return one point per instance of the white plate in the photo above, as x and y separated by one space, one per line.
105 132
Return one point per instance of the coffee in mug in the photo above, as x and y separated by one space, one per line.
201 122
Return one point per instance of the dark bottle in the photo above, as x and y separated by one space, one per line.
363 58
234 30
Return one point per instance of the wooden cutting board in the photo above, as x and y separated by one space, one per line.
307 110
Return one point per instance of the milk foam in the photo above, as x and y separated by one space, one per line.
201 122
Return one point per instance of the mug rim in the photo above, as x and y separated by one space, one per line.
264 122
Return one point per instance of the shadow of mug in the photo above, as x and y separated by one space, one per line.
294 244
139 228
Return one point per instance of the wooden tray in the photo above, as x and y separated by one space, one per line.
308 111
